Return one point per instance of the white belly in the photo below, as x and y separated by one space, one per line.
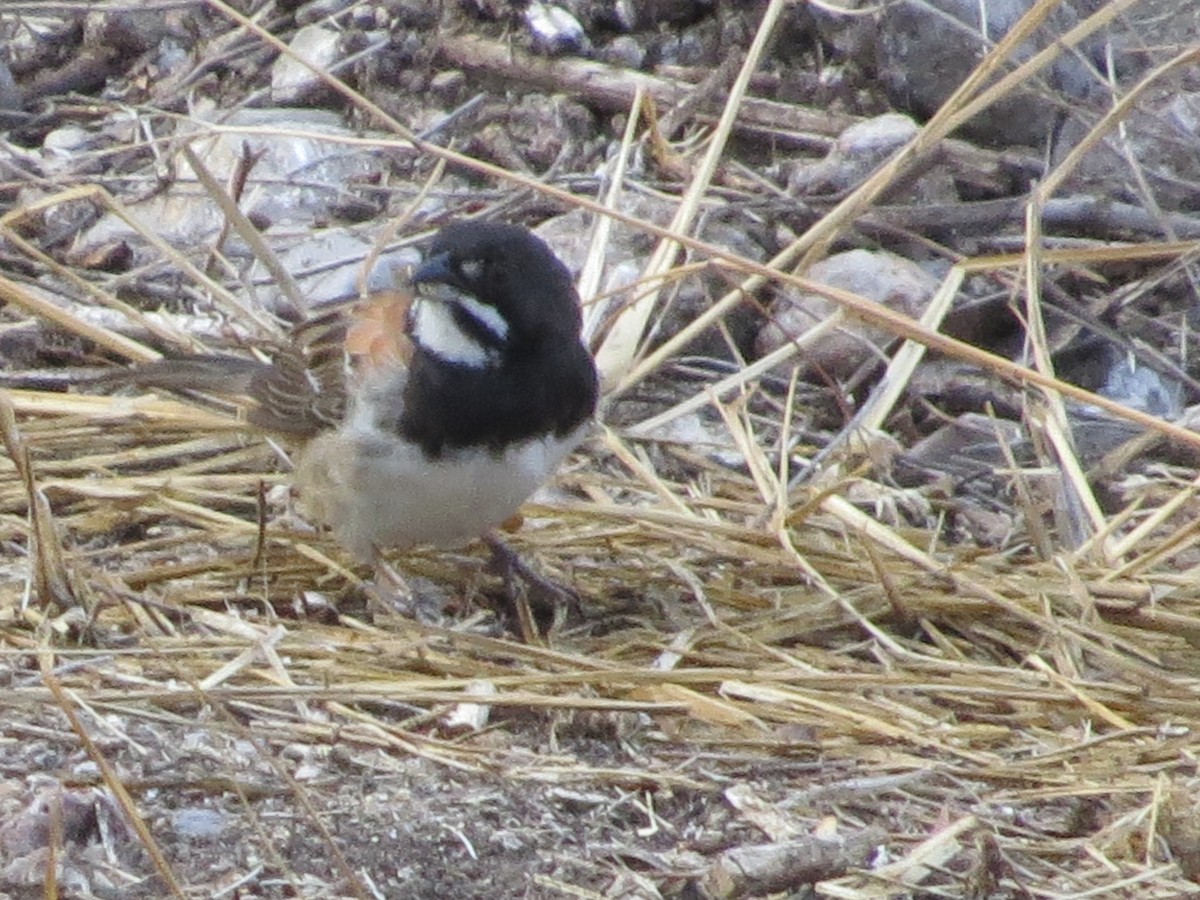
375 491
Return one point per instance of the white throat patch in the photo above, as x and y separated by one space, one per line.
434 328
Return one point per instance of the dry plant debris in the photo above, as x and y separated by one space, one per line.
793 672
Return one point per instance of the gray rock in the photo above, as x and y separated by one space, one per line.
923 49
10 94
198 823
858 151
626 51
1161 135
296 180
883 277
294 82
554 30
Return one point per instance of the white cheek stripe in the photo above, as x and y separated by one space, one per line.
487 316
434 329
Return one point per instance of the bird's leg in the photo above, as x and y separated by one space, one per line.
541 594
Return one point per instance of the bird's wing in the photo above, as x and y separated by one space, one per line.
302 387
304 390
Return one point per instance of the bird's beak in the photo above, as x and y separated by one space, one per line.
434 270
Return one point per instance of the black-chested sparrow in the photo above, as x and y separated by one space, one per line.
430 416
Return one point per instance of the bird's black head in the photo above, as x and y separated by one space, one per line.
508 269
498 357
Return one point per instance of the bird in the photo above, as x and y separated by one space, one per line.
426 415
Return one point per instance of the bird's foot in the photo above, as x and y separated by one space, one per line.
534 597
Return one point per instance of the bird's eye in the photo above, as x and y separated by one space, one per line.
471 269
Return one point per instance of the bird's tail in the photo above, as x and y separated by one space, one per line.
202 372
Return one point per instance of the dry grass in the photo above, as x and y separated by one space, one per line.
1031 714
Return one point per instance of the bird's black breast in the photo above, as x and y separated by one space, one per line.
448 407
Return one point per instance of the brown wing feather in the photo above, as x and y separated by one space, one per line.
304 390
